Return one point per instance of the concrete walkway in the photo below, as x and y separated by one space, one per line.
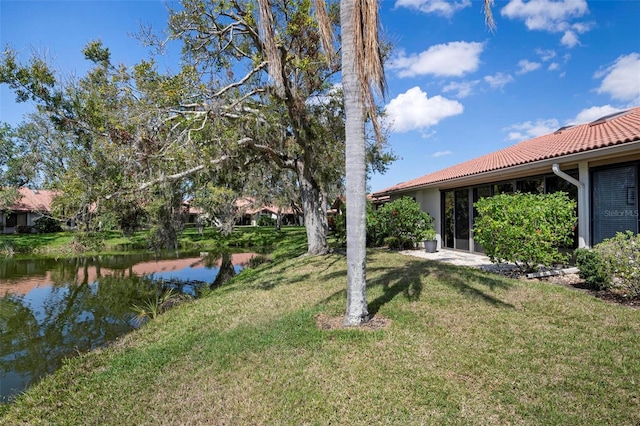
481 261
475 260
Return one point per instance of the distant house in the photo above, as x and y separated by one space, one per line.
33 204
249 213
597 164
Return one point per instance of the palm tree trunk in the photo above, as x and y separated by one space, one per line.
357 312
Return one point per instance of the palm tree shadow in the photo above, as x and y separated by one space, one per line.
393 283
409 281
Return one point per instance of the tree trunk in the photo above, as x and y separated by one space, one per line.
314 211
357 312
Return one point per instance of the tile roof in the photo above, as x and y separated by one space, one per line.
34 200
616 129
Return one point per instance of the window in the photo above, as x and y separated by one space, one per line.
462 219
448 222
503 188
531 186
12 220
614 201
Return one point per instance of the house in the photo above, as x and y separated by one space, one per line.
22 215
249 212
597 164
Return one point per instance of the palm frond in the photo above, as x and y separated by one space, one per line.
488 15
324 27
369 58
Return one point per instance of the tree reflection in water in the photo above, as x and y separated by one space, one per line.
85 304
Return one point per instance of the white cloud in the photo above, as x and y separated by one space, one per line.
582 27
462 89
546 55
569 39
441 154
413 110
451 59
591 114
622 79
553 66
498 80
531 129
527 66
439 7
552 16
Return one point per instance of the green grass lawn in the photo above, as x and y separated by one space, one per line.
461 347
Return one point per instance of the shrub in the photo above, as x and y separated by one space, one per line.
399 224
338 225
47 225
265 220
525 229
593 269
24 229
87 241
340 228
621 255
399 243
6 249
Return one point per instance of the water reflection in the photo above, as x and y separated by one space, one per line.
50 309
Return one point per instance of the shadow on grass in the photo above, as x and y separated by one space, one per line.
410 279
409 282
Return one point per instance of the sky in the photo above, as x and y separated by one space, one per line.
456 89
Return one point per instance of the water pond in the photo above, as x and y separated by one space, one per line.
52 309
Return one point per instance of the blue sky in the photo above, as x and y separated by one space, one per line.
456 90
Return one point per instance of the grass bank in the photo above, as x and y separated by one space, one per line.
61 244
462 347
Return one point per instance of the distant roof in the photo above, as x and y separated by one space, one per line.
34 200
614 129
250 206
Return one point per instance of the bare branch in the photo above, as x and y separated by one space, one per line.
241 82
279 158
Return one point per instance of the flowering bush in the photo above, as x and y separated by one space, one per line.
399 224
525 229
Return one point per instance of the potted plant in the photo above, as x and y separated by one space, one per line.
429 240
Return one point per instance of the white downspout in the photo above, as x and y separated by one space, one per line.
582 204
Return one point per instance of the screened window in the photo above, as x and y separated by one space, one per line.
615 202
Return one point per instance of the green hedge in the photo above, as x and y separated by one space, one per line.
526 229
